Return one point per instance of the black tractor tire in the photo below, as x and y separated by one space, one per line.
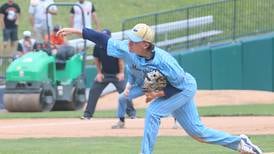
47 97
78 98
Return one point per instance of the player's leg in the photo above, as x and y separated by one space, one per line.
120 86
159 108
175 125
44 32
6 38
133 93
130 110
38 34
94 94
122 105
13 39
188 117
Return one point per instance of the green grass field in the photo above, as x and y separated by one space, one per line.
111 17
120 145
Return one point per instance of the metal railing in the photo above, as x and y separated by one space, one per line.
231 19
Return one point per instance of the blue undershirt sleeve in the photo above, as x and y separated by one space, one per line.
96 37
169 90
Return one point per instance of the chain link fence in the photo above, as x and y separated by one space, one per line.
200 25
4 63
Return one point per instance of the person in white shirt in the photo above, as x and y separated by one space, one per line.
27 44
37 10
89 15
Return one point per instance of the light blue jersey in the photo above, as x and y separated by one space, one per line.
181 105
139 66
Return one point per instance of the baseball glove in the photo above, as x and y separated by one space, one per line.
154 81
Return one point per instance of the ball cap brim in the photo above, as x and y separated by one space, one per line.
141 32
132 37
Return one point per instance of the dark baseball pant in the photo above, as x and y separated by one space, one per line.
97 89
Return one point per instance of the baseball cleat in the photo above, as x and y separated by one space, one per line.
85 118
132 117
247 147
175 126
119 125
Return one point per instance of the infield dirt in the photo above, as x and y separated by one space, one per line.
40 128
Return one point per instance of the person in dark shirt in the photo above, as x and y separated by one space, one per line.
109 70
9 18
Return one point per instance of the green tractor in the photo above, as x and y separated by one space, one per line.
39 81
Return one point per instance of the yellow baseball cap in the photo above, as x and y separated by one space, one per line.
141 32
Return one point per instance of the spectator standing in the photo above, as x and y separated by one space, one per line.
89 15
9 19
27 44
109 70
37 10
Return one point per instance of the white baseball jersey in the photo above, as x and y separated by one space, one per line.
38 11
88 10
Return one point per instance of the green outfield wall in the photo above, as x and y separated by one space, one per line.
247 63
